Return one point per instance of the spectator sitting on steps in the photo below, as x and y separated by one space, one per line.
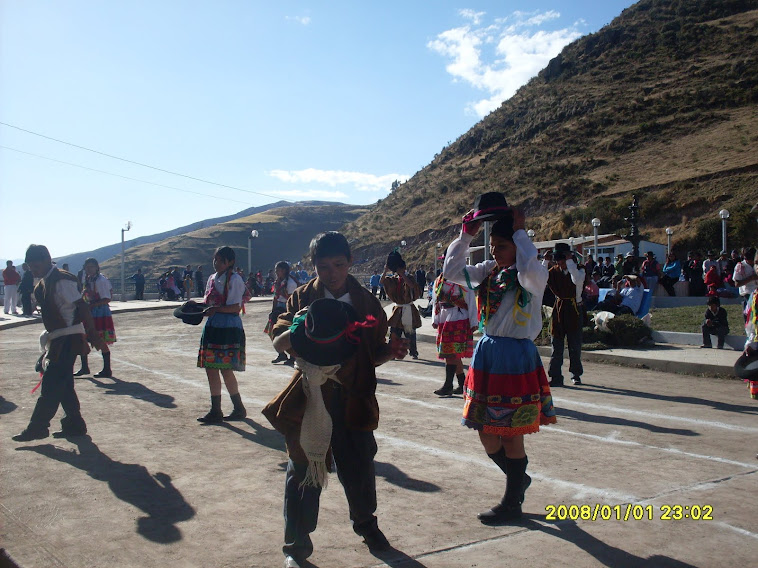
716 323
627 301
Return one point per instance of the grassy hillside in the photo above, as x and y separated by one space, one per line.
662 103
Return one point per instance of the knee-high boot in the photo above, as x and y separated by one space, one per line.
447 388
214 415
239 411
106 372
461 379
85 367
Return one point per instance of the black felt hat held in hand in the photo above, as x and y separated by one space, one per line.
491 206
190 312
329 333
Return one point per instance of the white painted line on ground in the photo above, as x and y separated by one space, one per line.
581 490
559 403
610 439
738 530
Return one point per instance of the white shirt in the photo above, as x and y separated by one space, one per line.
455 313
344 298
103 287
236 287
510 320
741 271
291 287
577 277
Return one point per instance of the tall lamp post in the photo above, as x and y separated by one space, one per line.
437 248
596 228
123 273
669 232
724 214
253 235
571 243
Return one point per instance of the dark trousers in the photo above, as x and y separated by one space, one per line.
58 390
354 453
412 347
139 292
719 330
374 290
26 303
574 339
382 293
668 283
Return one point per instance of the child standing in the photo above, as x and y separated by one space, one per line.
403 290
455 320
222 345
284 286
97 293
351 403
506 392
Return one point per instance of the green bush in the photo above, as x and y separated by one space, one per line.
627 330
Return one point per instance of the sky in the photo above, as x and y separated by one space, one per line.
165 113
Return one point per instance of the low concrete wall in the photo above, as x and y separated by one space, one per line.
736 342
679 301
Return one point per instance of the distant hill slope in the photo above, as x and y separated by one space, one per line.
76 260
662 103
284 234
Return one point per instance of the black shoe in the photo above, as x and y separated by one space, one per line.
31 434
237 414
446 390
104 374
500 514
82 372
414 356
458 389
576 380
281 358
211 418
70 433
556 382
527 483
290 362
705 347
720 347
376 541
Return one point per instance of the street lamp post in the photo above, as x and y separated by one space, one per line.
571 243
669 232
596 228
253 235
724 214
123 273
437 248
486 240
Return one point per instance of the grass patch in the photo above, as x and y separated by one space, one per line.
688 319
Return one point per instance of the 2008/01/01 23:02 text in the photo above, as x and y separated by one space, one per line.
628 512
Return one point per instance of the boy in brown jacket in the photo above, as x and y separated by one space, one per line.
351 403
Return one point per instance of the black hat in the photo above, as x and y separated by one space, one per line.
190 312
746 367
395 261
491 207
328 333
561 251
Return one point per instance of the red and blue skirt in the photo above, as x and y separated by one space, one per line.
455 338
103 319
506 391
222 344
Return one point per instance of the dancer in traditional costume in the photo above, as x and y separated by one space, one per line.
506 391
222 345
349 397
454 318
67 319
403 290
284 286
97 293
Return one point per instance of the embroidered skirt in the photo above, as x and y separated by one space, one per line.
104 323
222 345
506 391
455 338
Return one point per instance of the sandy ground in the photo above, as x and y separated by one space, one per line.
152 487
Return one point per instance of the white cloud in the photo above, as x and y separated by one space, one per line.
304 20
360 181
475 17
501 57
312 194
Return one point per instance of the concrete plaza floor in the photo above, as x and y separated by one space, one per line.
151 487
